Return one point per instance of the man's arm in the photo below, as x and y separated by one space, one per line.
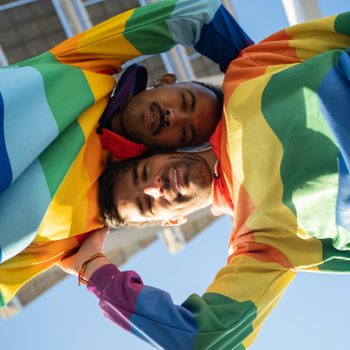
299 43
56 95
153 29
325 34
227 316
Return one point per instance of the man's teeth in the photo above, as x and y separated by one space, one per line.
176 181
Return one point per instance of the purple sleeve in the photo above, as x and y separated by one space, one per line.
147 312
211 321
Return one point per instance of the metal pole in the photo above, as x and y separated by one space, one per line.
298 11
13 4
72 15
3 59
63 19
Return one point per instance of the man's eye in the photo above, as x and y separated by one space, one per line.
183 102
183 135
144 173
149 204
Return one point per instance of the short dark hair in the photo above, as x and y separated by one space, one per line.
107 182
217 90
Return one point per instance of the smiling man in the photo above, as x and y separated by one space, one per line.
170 115
162 189
60 124
283 147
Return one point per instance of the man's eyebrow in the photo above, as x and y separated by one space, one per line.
135 177
139 205
193 100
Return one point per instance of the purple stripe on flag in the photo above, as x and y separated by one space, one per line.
122 289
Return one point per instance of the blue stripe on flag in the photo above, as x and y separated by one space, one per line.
5 166
222 39
29 125
343 199
22 208
188 18
183 330
334 94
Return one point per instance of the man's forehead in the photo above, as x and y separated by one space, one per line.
124 199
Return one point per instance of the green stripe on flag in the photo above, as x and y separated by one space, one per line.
233 320
292 109
154 25
336 265
2 300
336 252
68 95
58 157
67 90
342 23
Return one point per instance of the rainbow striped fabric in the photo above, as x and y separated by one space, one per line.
285 153
50 154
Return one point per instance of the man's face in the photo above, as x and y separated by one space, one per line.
171 116
163 187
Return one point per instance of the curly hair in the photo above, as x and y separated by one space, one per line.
217 90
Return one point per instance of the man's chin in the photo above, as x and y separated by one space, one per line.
134 137
202 194
200 175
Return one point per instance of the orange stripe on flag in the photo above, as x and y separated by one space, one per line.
255 60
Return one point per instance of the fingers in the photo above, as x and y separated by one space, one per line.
93 244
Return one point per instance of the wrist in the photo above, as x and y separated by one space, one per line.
89 266
95 265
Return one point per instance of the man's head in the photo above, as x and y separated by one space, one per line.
160 189
172 115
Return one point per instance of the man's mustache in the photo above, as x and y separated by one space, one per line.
162 114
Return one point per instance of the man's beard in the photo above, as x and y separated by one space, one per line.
195 178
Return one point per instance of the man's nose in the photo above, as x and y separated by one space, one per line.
154 188
176 118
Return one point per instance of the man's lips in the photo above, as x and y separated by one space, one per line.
157 122
149 119
154 118
175 182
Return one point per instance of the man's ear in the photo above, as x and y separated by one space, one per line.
175 221
165 79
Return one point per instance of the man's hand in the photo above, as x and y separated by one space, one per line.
93 244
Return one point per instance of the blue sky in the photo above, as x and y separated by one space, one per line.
313 313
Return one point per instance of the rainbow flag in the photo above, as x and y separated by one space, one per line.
50 153
285 154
